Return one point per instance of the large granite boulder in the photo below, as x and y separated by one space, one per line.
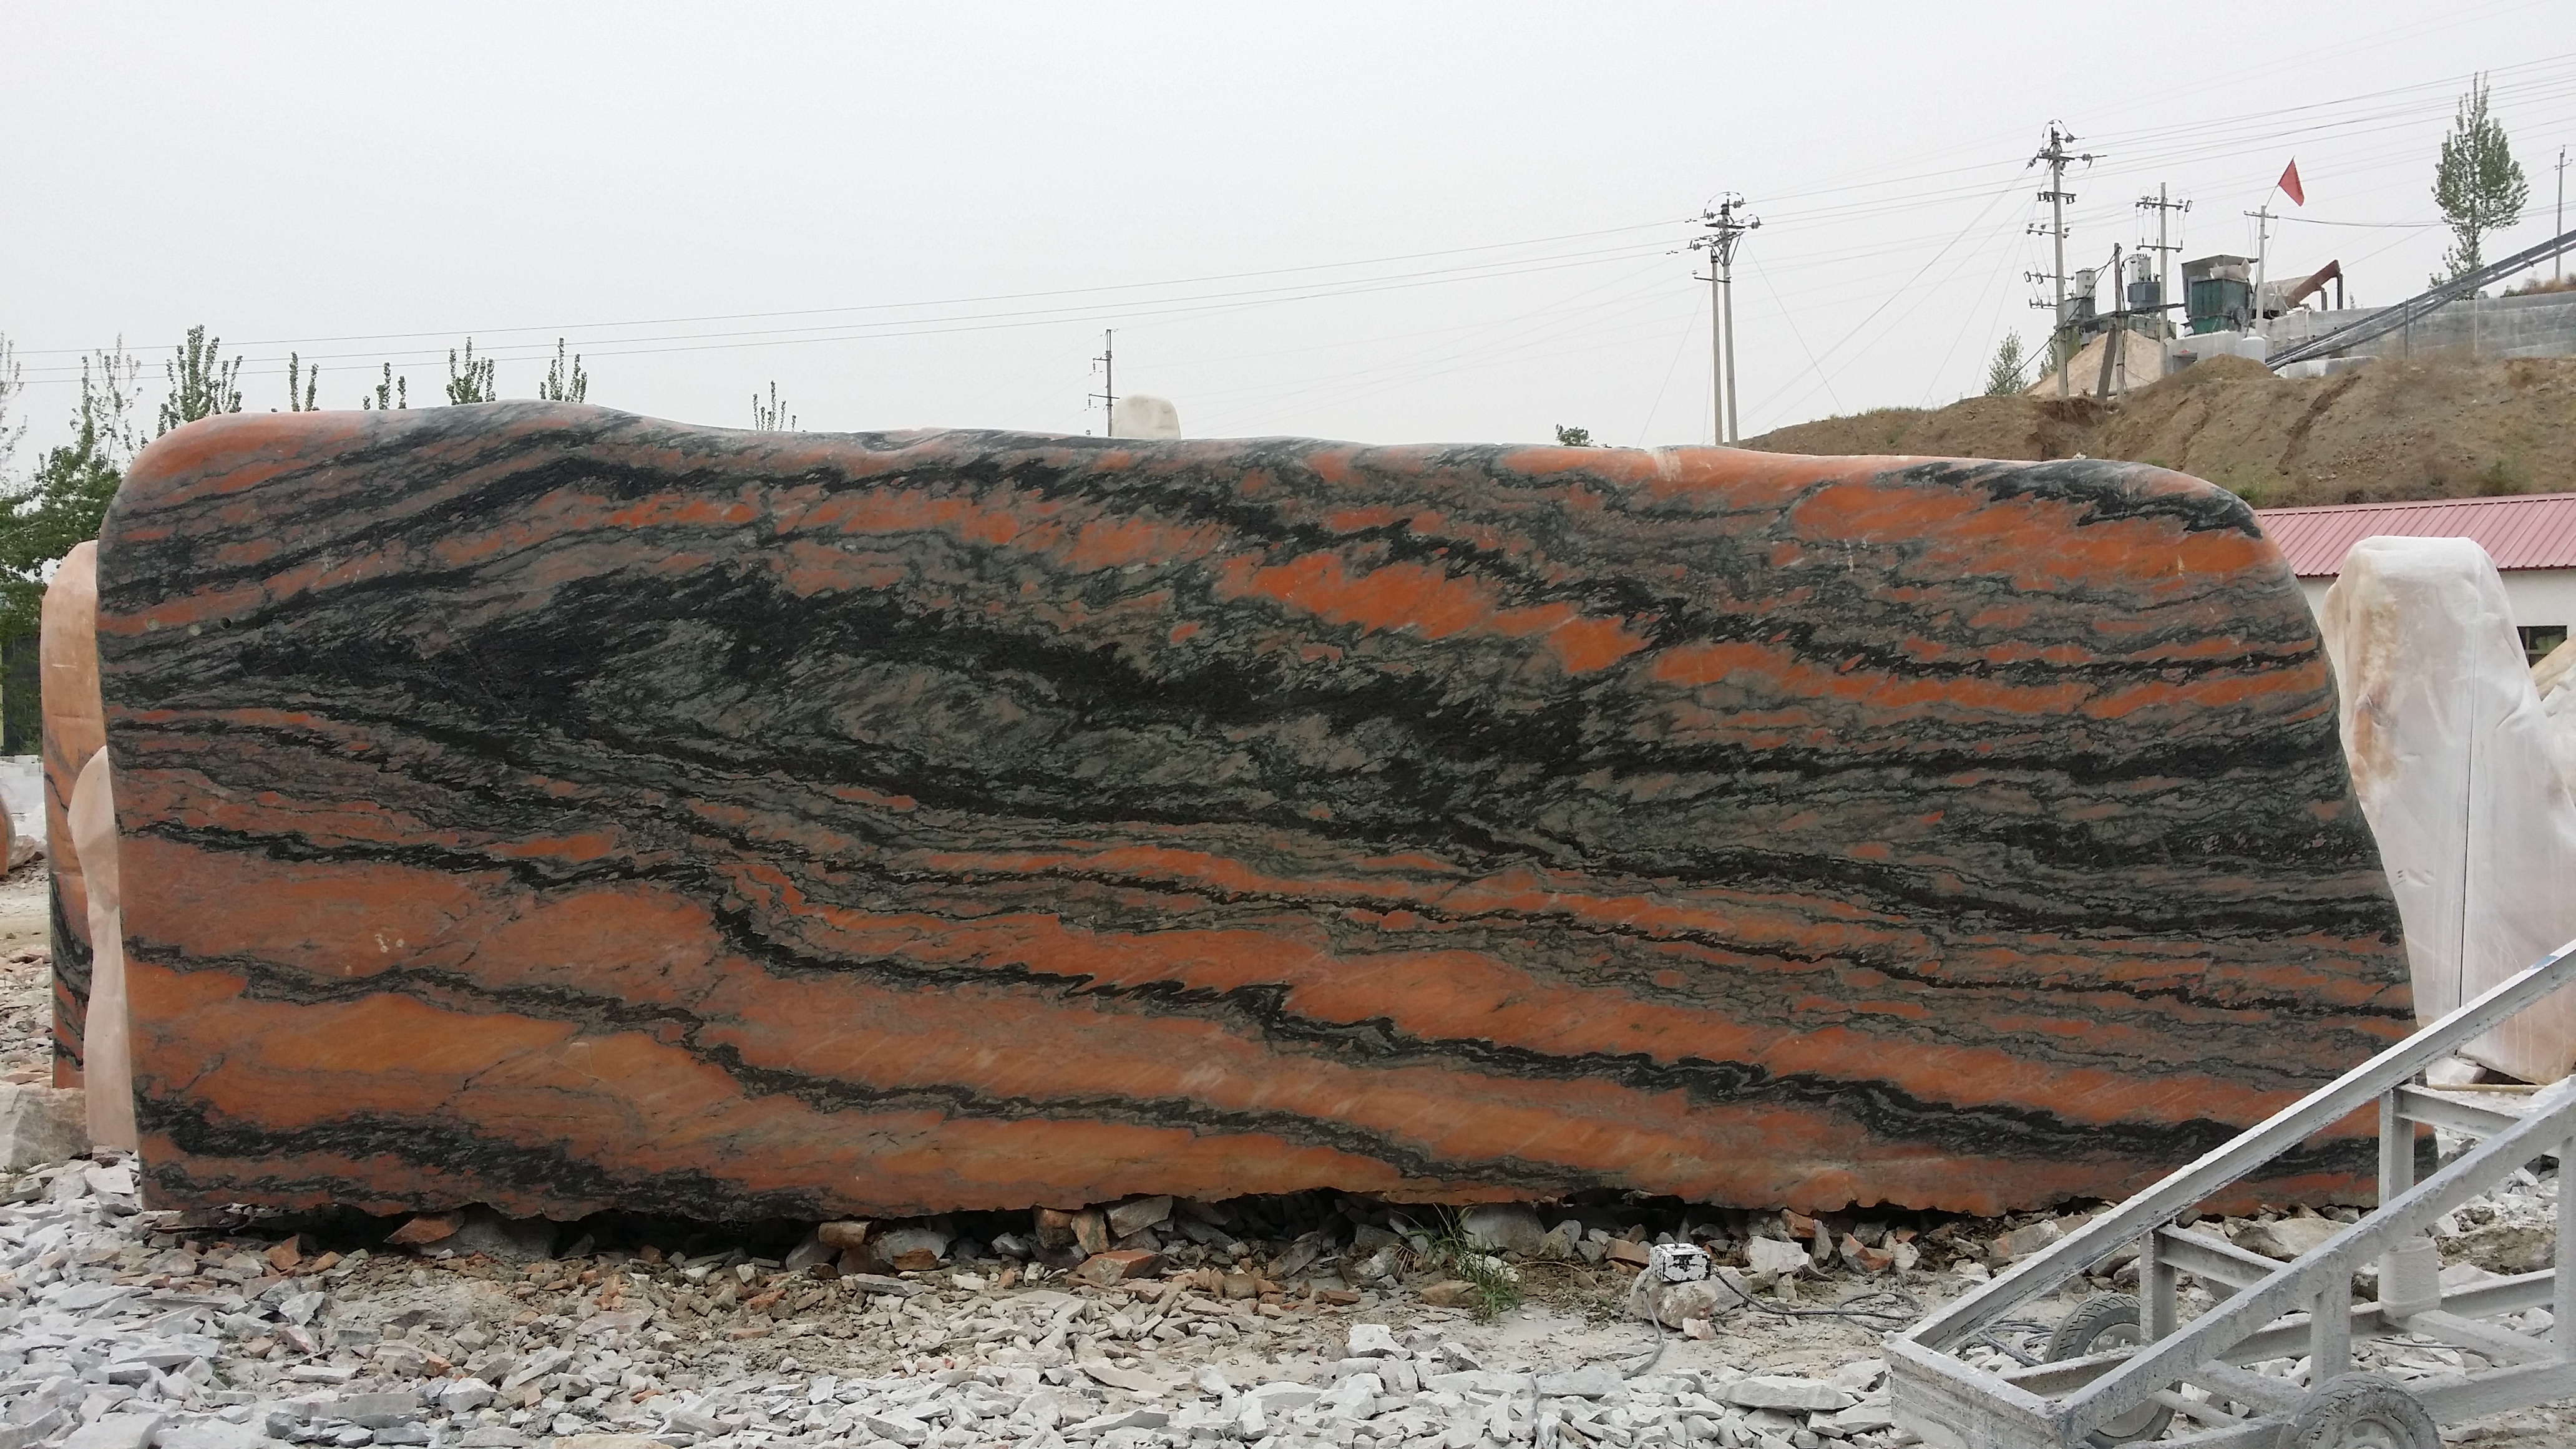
2458 765
556 808
67 663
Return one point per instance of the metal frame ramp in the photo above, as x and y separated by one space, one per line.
2418 307
2268 1309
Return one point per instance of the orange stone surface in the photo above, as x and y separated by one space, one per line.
555 808
67 663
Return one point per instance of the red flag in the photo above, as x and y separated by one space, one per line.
2290 184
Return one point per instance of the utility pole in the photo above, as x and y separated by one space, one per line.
1725 233
2114 334
1107 397
2262 258
2558 263
2056 157
2164 248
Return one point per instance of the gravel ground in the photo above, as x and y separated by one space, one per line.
1312 1320
26 977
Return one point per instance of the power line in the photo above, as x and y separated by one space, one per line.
986 322
1798 333
572 327
1890 299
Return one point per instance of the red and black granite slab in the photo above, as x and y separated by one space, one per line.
556 808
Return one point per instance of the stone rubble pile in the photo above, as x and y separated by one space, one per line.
26 1013
123 1329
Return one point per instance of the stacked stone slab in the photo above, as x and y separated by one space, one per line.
554 808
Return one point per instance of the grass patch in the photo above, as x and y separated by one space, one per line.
2499 480
1497 1289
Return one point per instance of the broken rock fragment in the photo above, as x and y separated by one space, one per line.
1091 1233
2023 1241
424 1229
1708 1300
1782 1391
843 1235
1119 1265
2287 1238
912 1249
1770 1258
1128 1218
1503 1228
41 1124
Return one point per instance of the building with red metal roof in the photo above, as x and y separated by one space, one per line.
2532 539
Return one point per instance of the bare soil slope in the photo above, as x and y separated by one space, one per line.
2429 427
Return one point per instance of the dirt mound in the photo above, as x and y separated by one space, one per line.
2434 426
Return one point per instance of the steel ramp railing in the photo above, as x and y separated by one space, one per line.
2420 306
1949 1401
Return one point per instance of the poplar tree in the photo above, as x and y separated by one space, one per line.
2477 183
393 392
202 384
564 383
301 382
474 383
774 417
2003 375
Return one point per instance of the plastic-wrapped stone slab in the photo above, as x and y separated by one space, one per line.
555 808
2458 765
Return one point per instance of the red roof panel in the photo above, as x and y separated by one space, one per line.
2534 531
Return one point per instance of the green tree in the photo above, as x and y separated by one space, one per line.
301 381
564 383
771 419
202 384
474 383
2004 374
64 502
393 392
111 397
1573 437
2477 183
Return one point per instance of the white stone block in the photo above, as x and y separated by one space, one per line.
41 1124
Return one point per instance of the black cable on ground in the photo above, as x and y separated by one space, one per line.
1903 1312
1986 1336
1647 1364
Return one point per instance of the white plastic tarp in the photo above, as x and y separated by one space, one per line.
2459 772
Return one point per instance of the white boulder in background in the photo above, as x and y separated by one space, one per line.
1142 415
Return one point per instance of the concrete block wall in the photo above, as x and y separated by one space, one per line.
2536 326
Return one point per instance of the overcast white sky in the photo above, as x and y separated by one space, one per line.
1383 222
